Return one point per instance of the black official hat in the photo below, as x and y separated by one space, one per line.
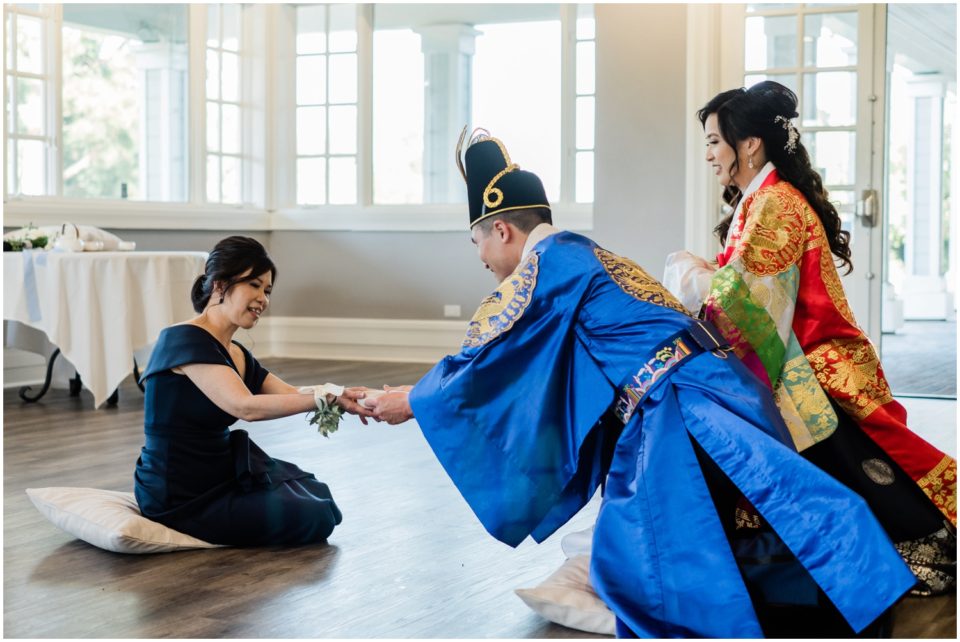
494 183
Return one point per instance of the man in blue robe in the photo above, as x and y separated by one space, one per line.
581 369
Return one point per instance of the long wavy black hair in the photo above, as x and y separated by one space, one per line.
744 113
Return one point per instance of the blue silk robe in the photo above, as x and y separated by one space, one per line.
513 418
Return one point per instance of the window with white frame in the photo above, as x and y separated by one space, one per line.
134 144
438 68
100 102
28 79
812 49
224 169
586 102
124 101
326 104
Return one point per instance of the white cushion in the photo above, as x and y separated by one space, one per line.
578 543
108 519
566 598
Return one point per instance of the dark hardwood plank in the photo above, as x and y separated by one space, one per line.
409 561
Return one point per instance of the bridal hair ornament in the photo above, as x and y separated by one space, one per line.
792 134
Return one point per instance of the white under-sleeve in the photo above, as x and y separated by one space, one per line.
688 277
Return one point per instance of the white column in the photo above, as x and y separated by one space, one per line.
447 61
163 132
925 291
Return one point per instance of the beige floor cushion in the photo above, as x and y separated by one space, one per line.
108 519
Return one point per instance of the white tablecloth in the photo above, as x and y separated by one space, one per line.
100 307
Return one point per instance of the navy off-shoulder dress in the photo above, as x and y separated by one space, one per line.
197 476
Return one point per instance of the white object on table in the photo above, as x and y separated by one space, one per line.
99 307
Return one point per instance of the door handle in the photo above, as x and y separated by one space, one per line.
867 208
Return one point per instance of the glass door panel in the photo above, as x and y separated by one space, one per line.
816 51
919 341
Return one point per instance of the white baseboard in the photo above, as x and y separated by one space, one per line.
395 340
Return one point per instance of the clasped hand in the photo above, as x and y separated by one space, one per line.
392 404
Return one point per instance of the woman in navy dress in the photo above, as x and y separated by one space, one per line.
194 474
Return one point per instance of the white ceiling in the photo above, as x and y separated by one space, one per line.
924 37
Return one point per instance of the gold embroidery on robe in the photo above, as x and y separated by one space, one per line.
828 269
773 237
499 311
809 400
633 280
940 485
848 369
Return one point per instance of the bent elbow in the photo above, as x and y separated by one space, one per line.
247 411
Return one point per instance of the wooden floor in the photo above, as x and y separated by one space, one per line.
408 561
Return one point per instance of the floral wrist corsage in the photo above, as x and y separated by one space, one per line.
327 415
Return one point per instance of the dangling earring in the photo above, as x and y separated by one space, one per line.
750 162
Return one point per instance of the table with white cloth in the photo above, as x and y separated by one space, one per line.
97 308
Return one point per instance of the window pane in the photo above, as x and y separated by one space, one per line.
845 202
213 127
311 181
585 117
31 167
343 130
830 98
311 130
584 177
586 26
343 78
770 42
530 120
124 96
787 80
343 27
213 25
425 88
11 49
833 155
230 82
213 178
231 26
9 114
231 129
767 6
30 106
397 117
12 183
29 45
231 180
311 29
213 74
343 180
311 80
586 67
830 39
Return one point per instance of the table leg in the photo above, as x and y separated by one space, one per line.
46 381
76 385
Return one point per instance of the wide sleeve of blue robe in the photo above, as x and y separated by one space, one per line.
511 416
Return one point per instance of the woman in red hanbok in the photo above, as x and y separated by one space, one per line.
775 293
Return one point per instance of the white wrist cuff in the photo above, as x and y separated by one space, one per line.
320 392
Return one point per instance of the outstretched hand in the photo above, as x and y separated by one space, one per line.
349 401
392 407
